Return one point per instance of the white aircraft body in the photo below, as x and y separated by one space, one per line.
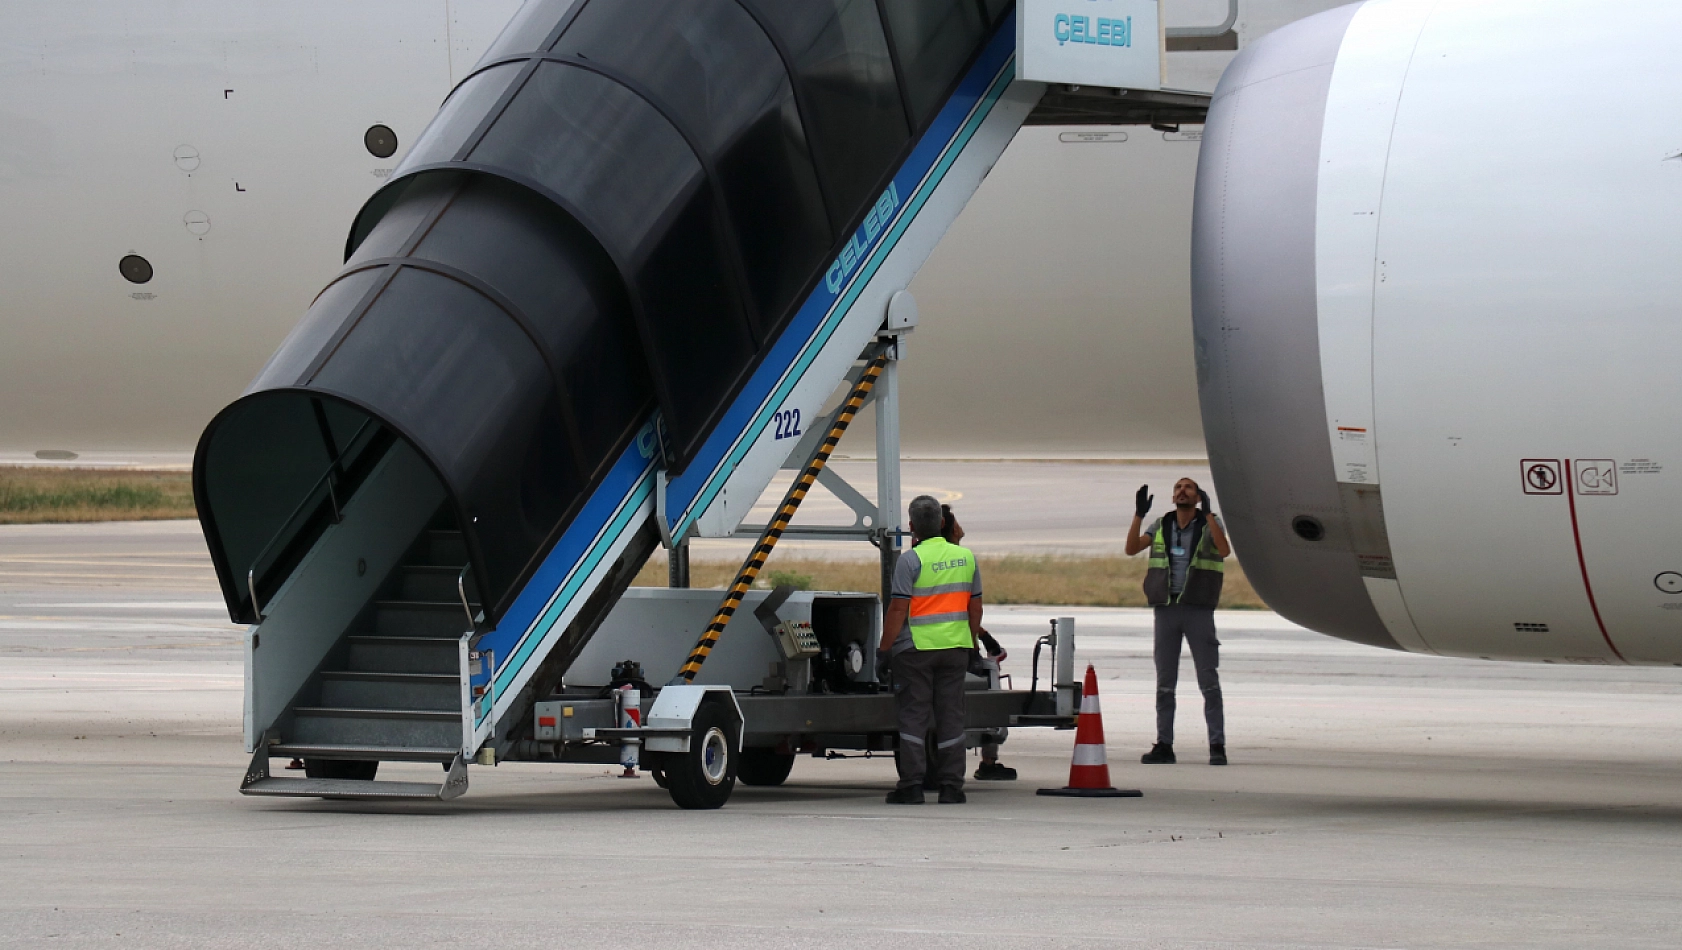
222 144
226 144
1437 333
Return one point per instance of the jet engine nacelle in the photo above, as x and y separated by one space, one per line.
1437 286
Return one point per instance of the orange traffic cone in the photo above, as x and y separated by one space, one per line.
1089 773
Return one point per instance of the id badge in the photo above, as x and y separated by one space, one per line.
1178 551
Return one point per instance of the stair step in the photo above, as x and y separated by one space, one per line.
376 713
342 788
440 547
295 750
421 618
435 583
400 728
384 654
440 692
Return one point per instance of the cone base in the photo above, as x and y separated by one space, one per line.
1067 792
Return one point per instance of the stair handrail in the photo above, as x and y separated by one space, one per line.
251 588
333 497
461 590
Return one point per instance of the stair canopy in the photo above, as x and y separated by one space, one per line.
618 210
481 326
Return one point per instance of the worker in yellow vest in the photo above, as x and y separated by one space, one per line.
1183 583
929 627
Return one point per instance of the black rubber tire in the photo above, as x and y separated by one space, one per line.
341 768
764 766
659 777
697 779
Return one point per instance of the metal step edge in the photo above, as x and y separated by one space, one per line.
341 788
439 605
346 712
300 750
440 569
398 638
364 676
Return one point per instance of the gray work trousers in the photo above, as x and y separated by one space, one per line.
929 693
1196 626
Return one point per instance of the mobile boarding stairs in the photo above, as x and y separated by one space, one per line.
591 314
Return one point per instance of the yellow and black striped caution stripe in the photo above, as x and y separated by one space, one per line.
785 514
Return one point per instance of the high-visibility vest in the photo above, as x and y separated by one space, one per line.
940 596
1204 575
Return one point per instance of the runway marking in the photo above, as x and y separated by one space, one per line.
90 625
83 561
945 496
828 503
153 682
134 605
34 651
125 674
37 575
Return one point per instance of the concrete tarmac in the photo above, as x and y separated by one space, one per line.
1374 800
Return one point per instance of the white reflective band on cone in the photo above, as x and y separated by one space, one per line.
1089 704
630 717
1089 755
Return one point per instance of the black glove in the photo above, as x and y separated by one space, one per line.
884 664
1203 496
1142 501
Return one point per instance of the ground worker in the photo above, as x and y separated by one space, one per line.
991 769
929 627
1183 582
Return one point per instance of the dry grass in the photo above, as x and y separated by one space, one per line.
1065 580
52 495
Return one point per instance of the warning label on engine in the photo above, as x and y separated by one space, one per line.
1353 454
1541 477
1595 476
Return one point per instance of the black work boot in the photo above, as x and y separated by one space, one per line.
952 795
1217 754
995 772
911 795
1160 754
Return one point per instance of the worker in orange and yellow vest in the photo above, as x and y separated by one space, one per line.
930 625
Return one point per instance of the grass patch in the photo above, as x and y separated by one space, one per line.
58 495
794 579
1064 580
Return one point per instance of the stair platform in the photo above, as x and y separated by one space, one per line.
343 788
259 782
